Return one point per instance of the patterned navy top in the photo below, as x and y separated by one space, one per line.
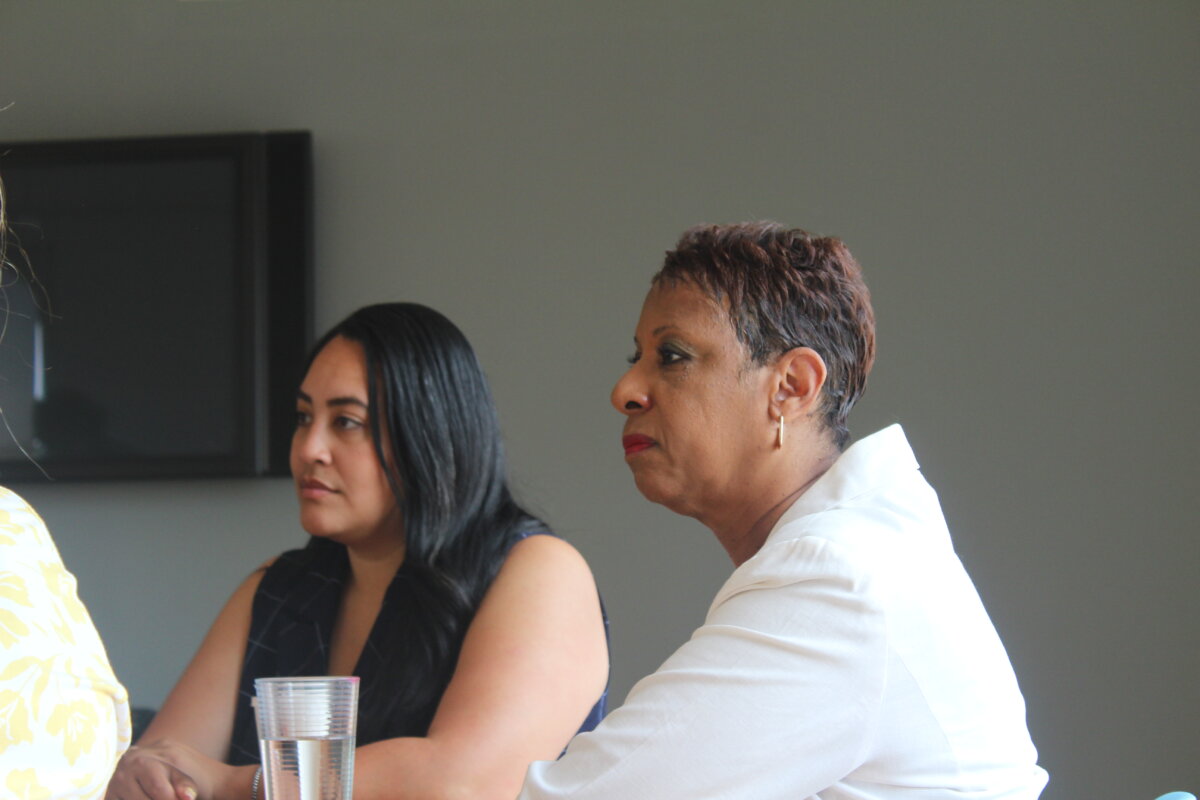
291 627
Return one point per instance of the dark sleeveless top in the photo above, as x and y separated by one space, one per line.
291 627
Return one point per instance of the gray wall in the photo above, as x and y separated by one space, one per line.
1018 179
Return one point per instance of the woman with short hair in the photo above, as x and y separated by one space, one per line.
848 655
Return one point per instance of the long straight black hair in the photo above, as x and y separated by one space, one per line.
444 458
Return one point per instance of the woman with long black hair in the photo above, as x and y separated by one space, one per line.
479 639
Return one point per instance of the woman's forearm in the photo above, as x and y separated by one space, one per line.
238 784
426 769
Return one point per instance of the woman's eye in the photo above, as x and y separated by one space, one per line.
348 423
669 355
633 359
303 418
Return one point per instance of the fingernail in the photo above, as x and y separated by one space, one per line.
190 792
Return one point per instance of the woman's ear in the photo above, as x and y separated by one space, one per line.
799 377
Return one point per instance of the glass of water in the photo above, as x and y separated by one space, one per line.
306 736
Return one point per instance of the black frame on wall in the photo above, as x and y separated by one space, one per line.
162 324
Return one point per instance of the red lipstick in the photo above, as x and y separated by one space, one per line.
636 443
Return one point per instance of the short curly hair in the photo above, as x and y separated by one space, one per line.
785 288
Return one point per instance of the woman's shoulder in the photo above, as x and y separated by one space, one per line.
23 535
550 568
544 572
541 549
15 512
10 499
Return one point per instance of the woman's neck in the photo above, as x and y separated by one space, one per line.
780 484
373 567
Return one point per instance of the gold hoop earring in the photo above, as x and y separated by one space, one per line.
779 434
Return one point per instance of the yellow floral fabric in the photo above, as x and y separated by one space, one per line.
64 717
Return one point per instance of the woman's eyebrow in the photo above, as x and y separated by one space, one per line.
348 400
345 401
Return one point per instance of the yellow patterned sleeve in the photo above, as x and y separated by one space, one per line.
64 716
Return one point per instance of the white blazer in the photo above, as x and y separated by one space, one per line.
850 658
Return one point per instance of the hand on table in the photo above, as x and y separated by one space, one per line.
166 770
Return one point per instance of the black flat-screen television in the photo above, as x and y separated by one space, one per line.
161 322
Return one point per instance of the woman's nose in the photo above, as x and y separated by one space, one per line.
629 396
310 445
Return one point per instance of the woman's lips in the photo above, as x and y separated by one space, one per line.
636 442
310 488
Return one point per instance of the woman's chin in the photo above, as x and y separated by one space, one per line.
318 529
658 491
320 534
